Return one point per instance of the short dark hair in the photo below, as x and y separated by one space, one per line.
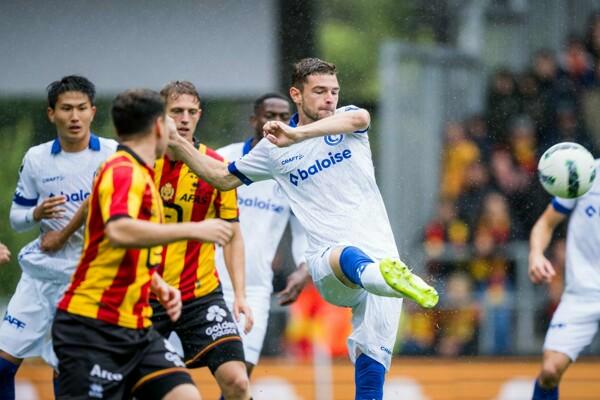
135 110
174 89
259 102
310 66
71 83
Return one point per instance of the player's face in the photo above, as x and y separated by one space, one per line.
185 111
319 96
166 129
72 115
272 109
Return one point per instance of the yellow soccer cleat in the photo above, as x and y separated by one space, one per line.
402 280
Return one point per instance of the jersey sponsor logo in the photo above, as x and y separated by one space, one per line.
319 166
98 372
333 140
53 179
260 204
191 197
76 196
17 323
96 391
215 313
221 328
291 159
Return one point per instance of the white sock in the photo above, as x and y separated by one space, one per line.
373 282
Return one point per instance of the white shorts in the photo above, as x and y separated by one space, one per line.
573 326
259 303
26 329
375 318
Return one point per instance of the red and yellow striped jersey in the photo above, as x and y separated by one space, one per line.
190 265
113 284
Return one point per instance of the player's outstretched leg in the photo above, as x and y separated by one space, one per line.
8 370
369 376
554 365
389 277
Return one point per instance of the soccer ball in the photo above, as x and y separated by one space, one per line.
567 170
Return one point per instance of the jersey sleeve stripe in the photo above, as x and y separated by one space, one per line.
236 172
25 202
560 208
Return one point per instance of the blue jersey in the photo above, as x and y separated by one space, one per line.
49 171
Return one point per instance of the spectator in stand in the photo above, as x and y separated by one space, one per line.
459 151
590 104
532 104
477 131
495 219
458 318
477 186
502 103
445 228
576 63
592 37
417 331
569 128
497 309
507 177
545 70
523 143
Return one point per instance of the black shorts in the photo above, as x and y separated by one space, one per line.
207 331
105 361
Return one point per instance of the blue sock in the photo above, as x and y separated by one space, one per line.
8 371
55 383
368 378
353 262
539 393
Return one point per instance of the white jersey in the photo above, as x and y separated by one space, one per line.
330 184
583 240
48 171
264 214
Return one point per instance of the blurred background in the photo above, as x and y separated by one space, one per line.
464 95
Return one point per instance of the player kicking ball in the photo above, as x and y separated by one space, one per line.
322 162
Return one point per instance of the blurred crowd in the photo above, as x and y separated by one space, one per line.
490 197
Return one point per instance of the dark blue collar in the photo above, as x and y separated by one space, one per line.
94 145
247 146
294 120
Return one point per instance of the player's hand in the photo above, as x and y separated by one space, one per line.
240 306
50 208
295 283
168 296
52 241
214 230
280 134
540 269
4 254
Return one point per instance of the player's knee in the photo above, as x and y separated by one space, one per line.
235 385
183 392
550 374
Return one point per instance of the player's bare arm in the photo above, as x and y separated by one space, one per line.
540 268
212 171
129 232
233 253
282 135
294 285
4 254
168 296
55 240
